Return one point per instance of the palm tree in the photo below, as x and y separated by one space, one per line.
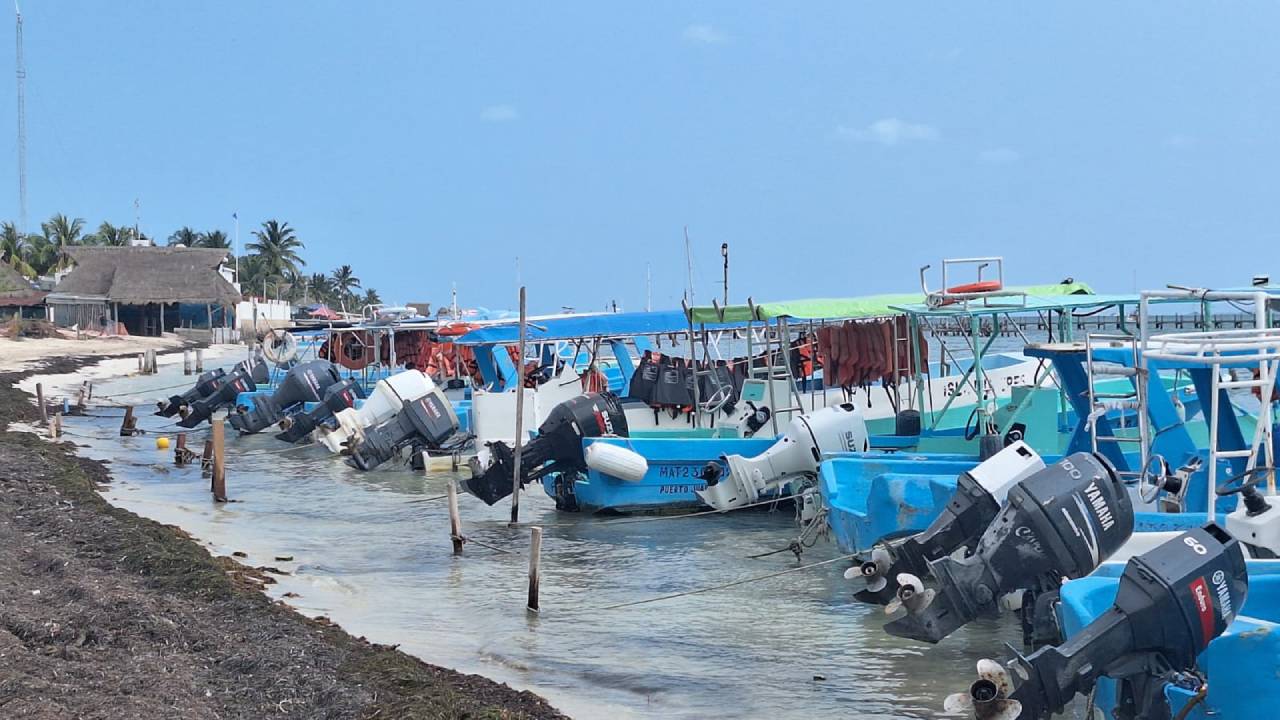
277 245
14 248
113 235
186 236
41 254
62 232
371 297
215 239
345 283
319 288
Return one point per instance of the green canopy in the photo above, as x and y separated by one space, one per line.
855 307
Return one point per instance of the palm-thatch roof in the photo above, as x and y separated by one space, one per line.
140 275
15 290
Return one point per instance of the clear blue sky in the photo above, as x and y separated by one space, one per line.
835 147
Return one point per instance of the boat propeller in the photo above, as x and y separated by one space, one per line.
988 697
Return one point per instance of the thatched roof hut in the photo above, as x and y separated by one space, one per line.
116 281
16 292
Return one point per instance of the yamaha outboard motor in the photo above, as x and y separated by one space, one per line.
979 495
204 387
423 423
1061 522
559 442
1171 602
337 397
243 378
302 384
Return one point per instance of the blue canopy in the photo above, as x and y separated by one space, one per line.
602 325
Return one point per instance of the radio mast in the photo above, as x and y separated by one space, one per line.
22 128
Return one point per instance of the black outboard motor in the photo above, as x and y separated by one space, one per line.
302 384
337 397
1061 522
1172 601
977 500
423 423
204 387
559 442
243 378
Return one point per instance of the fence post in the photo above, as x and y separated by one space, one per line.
455 520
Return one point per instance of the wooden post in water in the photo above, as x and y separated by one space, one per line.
55 429
180 450
535 566
218 482
44 412
186 362
515 478
140 356
80 396
206 460
129 425
200 359
455 520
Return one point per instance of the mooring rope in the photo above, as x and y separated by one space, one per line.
722 586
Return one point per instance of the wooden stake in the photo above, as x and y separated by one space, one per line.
535 566
140 362
180 450
455 520
44 412
206 460
515 478
186 362
80 396
218 483
55 430
200 358
129 425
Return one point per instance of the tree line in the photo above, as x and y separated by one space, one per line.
272 265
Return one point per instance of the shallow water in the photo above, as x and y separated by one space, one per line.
371 551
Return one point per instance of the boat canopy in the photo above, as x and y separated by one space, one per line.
855 307
601 325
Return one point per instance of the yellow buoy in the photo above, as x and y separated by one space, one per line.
162 443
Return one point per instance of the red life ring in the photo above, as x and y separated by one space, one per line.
977 287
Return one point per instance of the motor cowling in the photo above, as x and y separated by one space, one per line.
204 387
1171 602
426 422
1061 522
303 383
557 448
387 398
797 454
244 377
337 397
979 495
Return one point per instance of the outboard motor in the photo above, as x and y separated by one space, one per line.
243 378
559 443
979 495
204 387
1172 601
834 429
337 397
423 423
303 383
1061 522
388 396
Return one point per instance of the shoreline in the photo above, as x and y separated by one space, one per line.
105 613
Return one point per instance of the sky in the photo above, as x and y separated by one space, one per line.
835 146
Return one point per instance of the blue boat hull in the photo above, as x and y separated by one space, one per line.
675 466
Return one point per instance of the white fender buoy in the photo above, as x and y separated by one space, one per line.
617 461
280 346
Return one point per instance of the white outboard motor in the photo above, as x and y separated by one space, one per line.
384 402
795 456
